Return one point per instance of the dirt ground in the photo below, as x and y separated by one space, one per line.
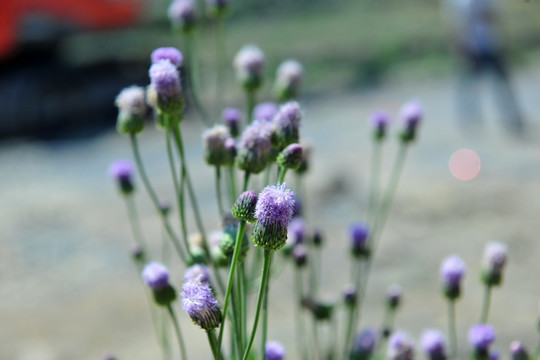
69 291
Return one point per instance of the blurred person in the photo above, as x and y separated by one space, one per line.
478 44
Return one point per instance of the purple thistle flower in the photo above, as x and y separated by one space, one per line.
249 64
215 151
200 304
165 80
411 114
167 53
232 116
182 14
432 342
244 207
197 273
273 213
452 270
286 125
265 111
400 347
481 336
358 236
518 351
379 121
291 157
296 230
274 351
495 256
393 296
254 147
300 254
288 79
121 169
364 344
350 294
155 275
131 103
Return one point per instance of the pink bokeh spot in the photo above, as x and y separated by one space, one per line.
464 164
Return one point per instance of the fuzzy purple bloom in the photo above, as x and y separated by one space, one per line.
286 125
296 230
495 255
182 14
411 112
132 101
518 351
274 351
379 121
197 273
364 343
452 270
350 294
167 53
121 170
358 234
155 275
300 254
265 111
393 295
249 59
215 151
481 336
165 78
432 342
290 73
494 355
275 205
200 304
400 347
254 147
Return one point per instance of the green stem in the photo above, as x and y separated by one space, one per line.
211 333
374 181
241 307
218 192
266 270
250 104
155 200
232 184
234 261
452 333
246 181
352 320
282 172
178 333
135 225
536 352
348 331
220 56
191 77
299 293
265 317
178 188
485 304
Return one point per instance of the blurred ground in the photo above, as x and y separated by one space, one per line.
68 289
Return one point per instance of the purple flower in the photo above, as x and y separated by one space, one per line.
393 296
286 125
244 207
296 230
121 170
364 343
231 116
493 355
131 100
273 213
495 255
349 294
155 275
411 114
274 351
165 80
197 273
254 147
379 121
265 111
452 270
518 351
249 59
300 254
215 151
291 157
200 304
432 342
167 53
290 73
400 347
182 14
481 336
358 236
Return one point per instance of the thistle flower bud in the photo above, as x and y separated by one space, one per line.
432 343
218 256
358 235
317 238
495 256
254 148
379 122
232 116
137 254
350 295
265 111
182 15
306 150
273 213
165 80
364 344
244 207
167 53
296 230
273 350
411 114
156 276
286 125
196 248
393 296
217 8
122 172
481 336
249 62
452 271
131 110
290 157
400 347
518 351
215 151
197 273
300 255
200 304
288 79
320 310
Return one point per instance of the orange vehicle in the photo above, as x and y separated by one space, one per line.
84 14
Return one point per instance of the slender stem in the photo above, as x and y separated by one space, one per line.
250 104
234 261
352 320
536 352
348 331
299 293
485 304
452 333
246 180
218 191
191 77
282 172
265 317
232 183
135 224
213 343
220 56
266 270
241 306
316 342
374 181
178 188
155 200
178 333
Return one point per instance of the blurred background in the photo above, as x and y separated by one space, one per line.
67 287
